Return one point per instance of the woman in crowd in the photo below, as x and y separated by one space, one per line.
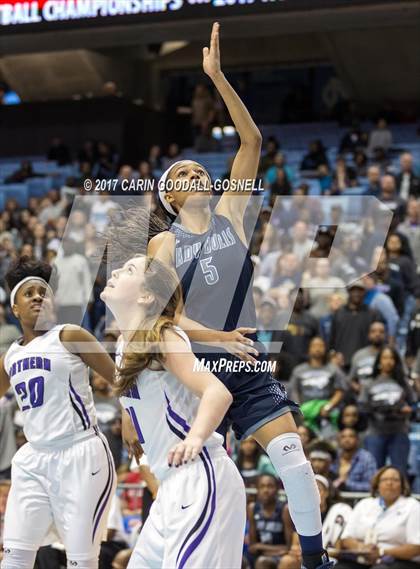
383 531
388 399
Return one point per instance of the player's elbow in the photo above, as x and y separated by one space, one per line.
252 140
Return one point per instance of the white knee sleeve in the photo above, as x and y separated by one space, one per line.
286 454
84 564
17 558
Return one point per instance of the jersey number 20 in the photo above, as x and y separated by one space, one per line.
36 392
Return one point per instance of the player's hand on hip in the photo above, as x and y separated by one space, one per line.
185 451
236 343
131 441
211 57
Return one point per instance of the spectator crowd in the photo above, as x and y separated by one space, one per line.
336 287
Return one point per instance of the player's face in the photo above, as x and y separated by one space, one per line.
124 287
189 180
34 305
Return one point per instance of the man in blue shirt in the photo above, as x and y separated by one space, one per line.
354 466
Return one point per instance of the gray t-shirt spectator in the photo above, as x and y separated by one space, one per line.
308 383
383 399
362 365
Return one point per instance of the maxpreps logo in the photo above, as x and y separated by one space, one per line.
14 12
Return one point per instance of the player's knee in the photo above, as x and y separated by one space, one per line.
82 563
289 562
17 558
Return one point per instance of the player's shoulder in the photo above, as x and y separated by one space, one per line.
161 245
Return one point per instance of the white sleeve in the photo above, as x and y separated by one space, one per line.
413 523
353 528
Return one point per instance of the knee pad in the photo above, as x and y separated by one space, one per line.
82 564
287 456
17 558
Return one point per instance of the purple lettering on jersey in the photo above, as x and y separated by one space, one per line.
32 362
36 362
47 364
25 364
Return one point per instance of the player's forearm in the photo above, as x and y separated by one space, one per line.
215 401
246 127
196 331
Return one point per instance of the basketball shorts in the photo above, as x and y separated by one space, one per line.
198 518
68 490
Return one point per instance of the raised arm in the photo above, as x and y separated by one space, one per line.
245 166
215 398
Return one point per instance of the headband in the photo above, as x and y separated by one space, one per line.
322 455
22 282
162 189
323 480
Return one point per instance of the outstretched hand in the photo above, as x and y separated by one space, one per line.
211 57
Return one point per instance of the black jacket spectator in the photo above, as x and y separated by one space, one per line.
59 152
315 157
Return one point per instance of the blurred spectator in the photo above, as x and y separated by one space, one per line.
307 435
354 466
373 181
322 454
302 244
88 153
108 412
410 227
389 279
390 198
202 117
335 301
155 157
353 140
388 398
105 165
344 176
360 163
288 272
382 303
350 324
268 325
281 185
380 137
173 155
279 163
363 360
384 531
252 462
351 418
315 157
8 332
320 287
22 174
335 515
270 526
300 329
325 179
413 338
408 184
271 151
59 152
74 286
317 386
101 209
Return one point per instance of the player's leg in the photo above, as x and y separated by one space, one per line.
28 514
283 445
150 546
81 500
204 513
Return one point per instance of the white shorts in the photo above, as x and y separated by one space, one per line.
197 520
70 489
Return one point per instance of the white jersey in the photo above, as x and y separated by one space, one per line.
162 410
52 389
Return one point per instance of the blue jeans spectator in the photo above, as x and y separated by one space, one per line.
396 447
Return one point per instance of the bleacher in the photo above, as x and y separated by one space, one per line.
294 140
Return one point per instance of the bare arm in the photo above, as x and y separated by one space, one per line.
215 398
407 551
4 378
82 343
245 165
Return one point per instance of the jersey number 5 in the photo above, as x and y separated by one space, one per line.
210 272
36 392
